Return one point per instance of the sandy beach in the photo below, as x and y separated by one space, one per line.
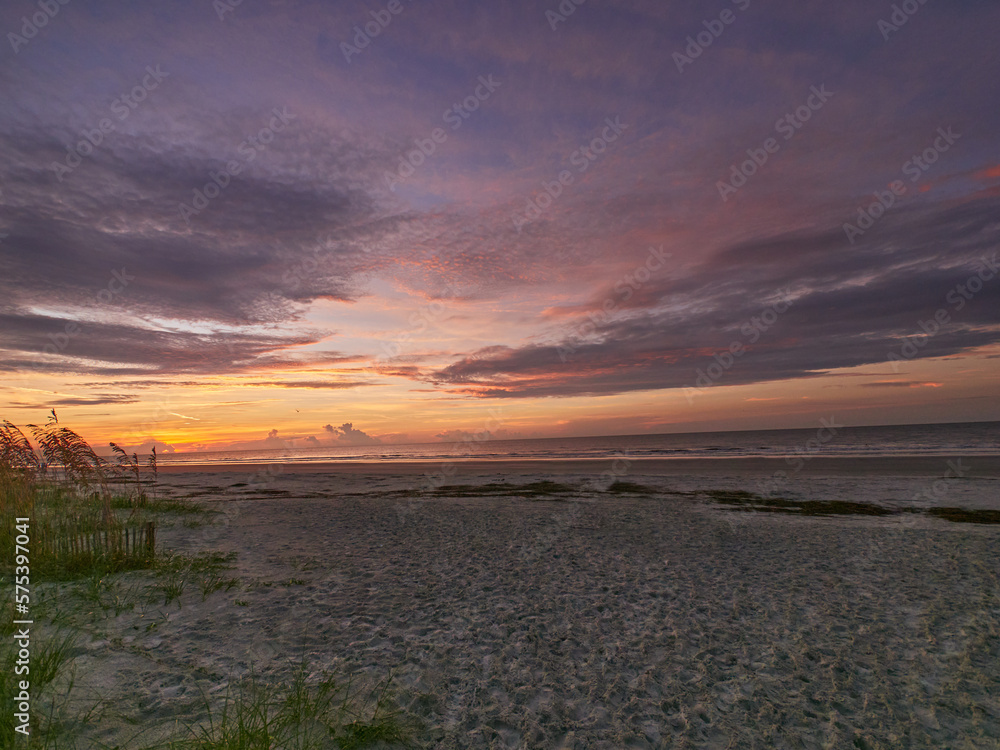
578 616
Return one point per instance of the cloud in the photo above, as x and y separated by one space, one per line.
347 434
147 447
272 441
101 273
851 306
120 349
311 384
81 401
901 384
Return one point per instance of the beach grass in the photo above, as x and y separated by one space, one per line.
52 655
300 713
81 515
55 721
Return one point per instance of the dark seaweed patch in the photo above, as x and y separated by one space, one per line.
741 500
633 488
534 489
748 501
963 515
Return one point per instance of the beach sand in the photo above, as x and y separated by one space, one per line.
589 618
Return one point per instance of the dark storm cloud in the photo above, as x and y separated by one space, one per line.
265 234
104 398
310 384
900 384
109 239
851 306
46 344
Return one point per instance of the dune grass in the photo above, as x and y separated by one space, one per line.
51 655
300 713
50 672
82 511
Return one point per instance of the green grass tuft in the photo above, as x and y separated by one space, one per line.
50 655
300 713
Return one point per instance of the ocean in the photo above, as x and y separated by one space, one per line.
966 439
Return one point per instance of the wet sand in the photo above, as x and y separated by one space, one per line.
897 466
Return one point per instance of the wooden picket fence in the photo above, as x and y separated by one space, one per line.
62 539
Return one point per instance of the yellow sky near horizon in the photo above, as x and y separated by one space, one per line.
226 411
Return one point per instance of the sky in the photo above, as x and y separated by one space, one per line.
288 223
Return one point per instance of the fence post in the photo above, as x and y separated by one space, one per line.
150 538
